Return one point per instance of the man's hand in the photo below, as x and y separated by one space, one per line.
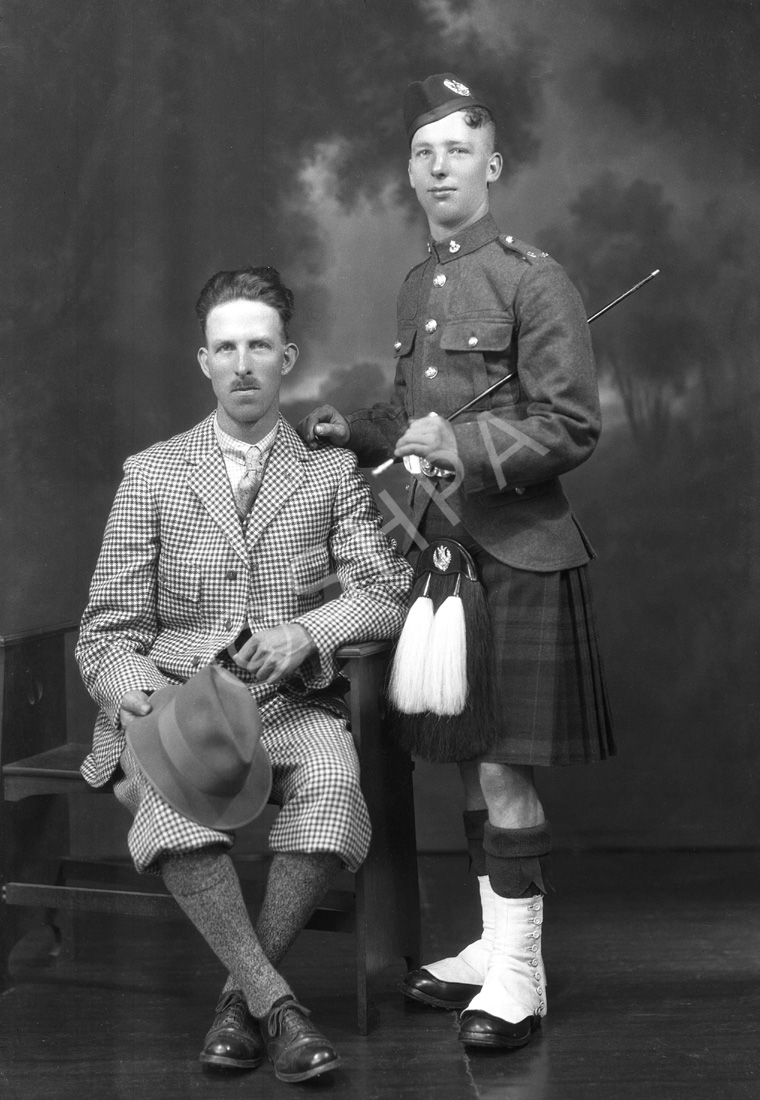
135 704
430 437
324 425
272 654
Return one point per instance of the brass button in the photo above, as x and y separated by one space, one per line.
397 345
472 341
439 280
431 326
431 372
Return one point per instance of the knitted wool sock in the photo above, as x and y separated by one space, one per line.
296 883
206 887
517 859
474 822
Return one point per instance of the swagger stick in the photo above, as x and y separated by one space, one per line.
497 385
631 291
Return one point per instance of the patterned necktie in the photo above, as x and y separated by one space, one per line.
247 490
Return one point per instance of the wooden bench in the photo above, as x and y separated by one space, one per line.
42 882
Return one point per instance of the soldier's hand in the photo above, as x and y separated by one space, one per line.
273 653
134 704
324 425
430 437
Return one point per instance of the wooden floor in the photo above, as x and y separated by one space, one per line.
654 994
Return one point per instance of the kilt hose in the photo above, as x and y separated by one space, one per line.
547 669
315 780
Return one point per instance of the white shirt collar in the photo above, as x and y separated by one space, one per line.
235 450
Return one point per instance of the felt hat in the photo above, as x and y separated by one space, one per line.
435 97
200 748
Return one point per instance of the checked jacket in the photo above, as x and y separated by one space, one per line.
179 576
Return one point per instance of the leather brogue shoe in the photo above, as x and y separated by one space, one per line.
421 985
234 1039
297 1049
481 1029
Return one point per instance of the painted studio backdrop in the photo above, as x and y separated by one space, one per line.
146 145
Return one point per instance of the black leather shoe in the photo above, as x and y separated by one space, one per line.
296 1048
421 985
481 1029
234 1041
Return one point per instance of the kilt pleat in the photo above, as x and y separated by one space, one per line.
551 694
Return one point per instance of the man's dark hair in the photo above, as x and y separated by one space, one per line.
480 117
256 284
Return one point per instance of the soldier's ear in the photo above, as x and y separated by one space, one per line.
203 360
495 164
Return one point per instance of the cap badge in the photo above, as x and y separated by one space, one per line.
442 558
455 86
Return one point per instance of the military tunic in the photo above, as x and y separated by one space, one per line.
482 306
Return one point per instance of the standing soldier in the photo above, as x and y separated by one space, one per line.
481 306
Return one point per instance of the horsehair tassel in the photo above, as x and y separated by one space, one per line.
407 682
445 673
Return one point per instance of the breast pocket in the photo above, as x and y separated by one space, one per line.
179 593
484 346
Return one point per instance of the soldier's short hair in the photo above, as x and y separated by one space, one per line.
481 118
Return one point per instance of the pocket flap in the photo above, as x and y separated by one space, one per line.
404 341
181 579
311 570
477 334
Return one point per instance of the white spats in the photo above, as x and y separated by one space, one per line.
515 980
471 964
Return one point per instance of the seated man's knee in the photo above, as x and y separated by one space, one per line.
333 779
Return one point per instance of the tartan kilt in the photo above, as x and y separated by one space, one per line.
547 669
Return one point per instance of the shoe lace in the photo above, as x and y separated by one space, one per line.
232 1009
285 1018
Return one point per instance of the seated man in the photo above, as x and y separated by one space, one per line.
230 528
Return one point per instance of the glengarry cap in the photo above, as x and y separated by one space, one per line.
435 97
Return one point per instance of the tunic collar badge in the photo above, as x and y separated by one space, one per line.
453 246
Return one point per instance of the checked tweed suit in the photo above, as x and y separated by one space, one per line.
179 576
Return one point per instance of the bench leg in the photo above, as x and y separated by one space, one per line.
30 937
35 830
387 892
